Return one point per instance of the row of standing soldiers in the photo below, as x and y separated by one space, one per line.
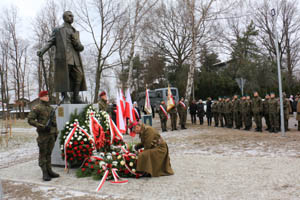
238 113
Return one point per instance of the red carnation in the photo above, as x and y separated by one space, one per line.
77 151
82 142
89 160
70 146
79 155
75 142
86 164
79 158
109 165
99 171
96 163
74 155
83 169
75 148
87 146
126 171
84 150
127 158
92 166
80 147
71 159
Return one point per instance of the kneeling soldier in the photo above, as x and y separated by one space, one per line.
47 134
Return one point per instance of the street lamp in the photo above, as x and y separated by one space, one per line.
274 15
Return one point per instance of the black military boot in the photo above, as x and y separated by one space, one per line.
46 176
51 173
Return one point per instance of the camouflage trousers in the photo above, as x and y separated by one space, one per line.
215 114
274 123
163 123
237 119
229 120
173 120
46 144
182 118
267 119
220 118
257 119
247 120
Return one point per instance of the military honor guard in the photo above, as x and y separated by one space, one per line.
47 133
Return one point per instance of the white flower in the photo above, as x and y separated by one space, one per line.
133 170
83 127
109 157
75 135
108 154
67 127
64 137
131 164
70 143
70 129
115 163
122 162
67 123
76 120
119 157
102 163
85 139
113 153
133 157
102 154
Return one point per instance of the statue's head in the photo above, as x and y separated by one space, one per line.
68 17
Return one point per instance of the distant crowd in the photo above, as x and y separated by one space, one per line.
235 112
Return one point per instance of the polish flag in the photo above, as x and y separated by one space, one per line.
129 110
120 114
147 107
123 103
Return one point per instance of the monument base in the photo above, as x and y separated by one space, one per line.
63 113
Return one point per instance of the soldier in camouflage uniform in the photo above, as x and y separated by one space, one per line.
237 112
249 118
266 111
163 115
220 111
223 111
173 115
182 111
274 110
257 109
228 109
47 135
102 104
214 110
286 111
245 110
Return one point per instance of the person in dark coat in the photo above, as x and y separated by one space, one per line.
193 111
200 111
208 111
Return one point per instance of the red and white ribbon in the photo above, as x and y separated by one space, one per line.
182 104
96 129
164 111
114 131
115 175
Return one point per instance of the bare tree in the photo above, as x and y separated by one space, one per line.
46 20
288 28
141 8
99 18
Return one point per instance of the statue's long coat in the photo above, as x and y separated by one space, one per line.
61 71
155 158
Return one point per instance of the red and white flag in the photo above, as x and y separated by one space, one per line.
129 110
147 107
164 111
120 113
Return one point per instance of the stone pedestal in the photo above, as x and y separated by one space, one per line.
63 113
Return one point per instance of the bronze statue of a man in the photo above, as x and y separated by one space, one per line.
68 73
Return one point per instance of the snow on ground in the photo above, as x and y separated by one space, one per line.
209 163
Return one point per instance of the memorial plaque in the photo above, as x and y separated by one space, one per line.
60 111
